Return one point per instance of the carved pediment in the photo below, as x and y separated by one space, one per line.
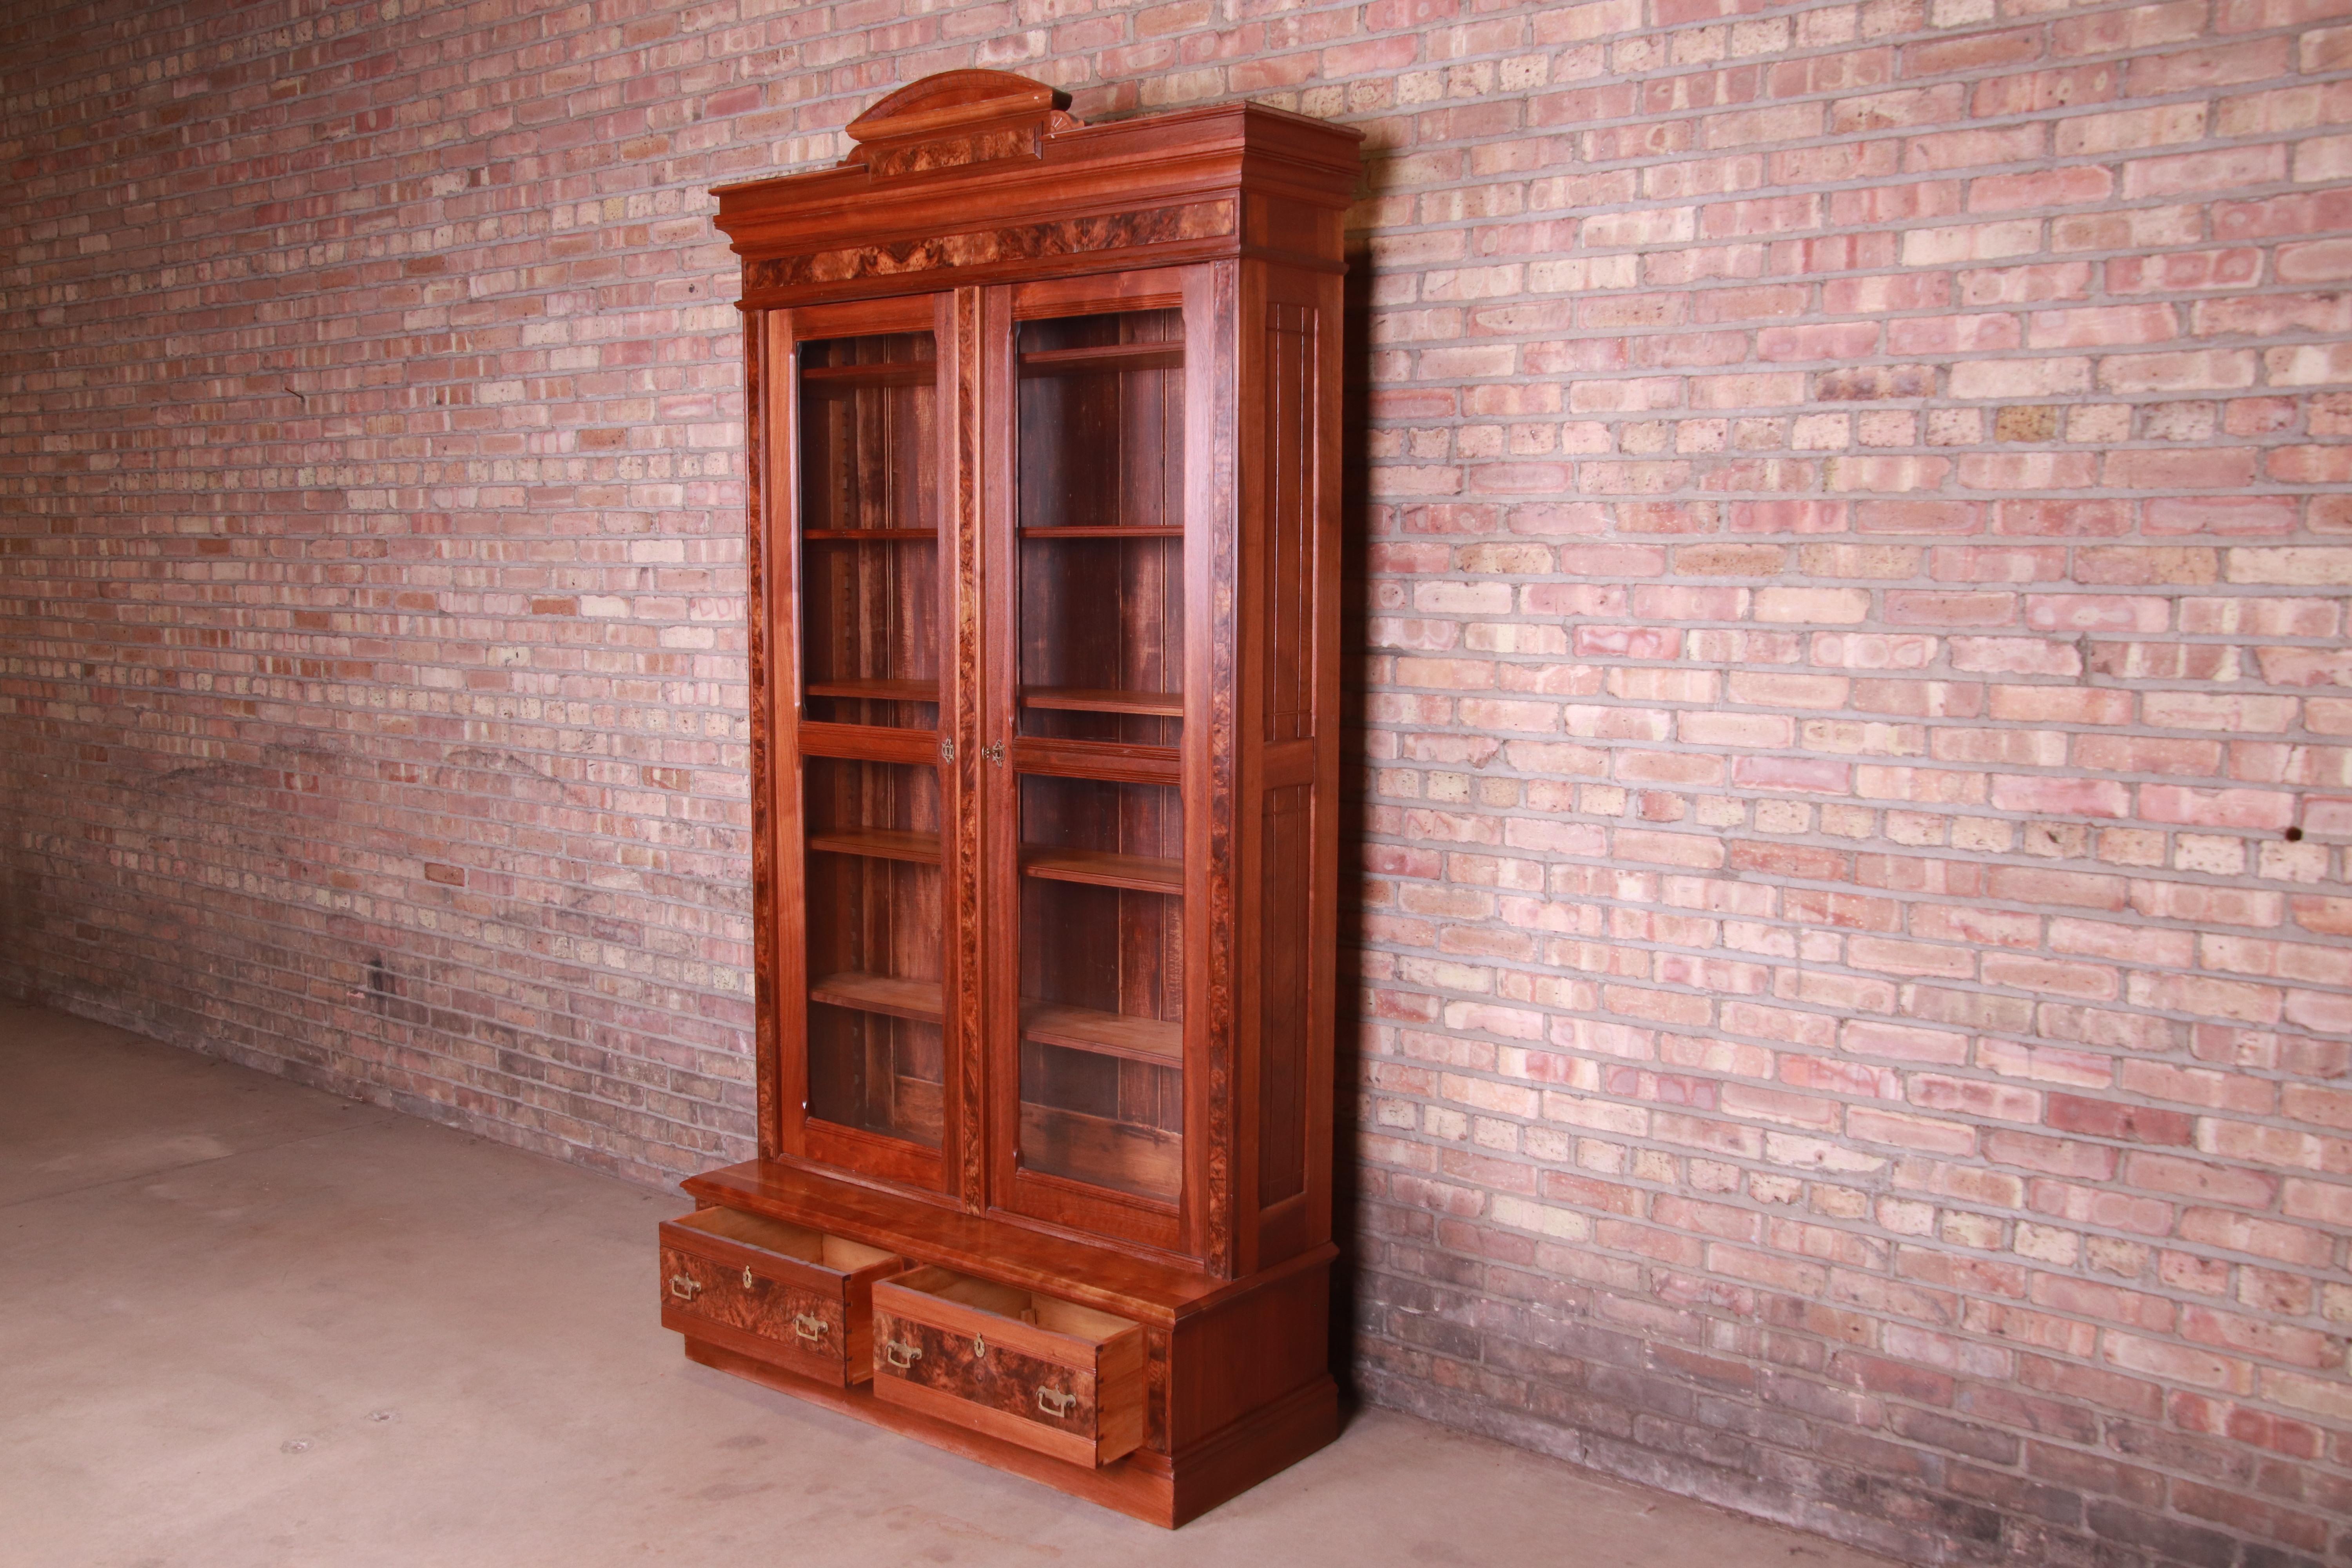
957 118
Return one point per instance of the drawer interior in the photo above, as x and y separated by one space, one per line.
787 1240
1047 1312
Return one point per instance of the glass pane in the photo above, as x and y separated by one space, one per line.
874 920
1102 520
869 530
1102 984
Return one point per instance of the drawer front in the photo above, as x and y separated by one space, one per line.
1078 1399
801 1323
1044 1405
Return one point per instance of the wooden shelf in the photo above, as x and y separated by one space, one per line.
1104 1034
880 844
1082 699
1104 869
916 999
877 690
1103 530
1120 1155
1103 357
871 535
1105 760
849 377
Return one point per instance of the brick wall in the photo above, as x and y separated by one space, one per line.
1857 1005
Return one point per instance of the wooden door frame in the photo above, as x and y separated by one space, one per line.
778 863
1049 1202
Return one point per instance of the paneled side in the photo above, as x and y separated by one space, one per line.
1291 461
1285 856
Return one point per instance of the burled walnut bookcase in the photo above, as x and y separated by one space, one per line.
1045 640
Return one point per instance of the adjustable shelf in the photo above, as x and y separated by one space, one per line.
1108 762
1104 868
1081 700
1142 1162
880 844
1103 530
871 535
877 690
1153 1041
850 377
916 999
1103 357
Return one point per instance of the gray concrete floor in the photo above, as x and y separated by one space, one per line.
243 1322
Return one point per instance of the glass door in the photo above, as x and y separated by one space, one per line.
864 420
1091 1100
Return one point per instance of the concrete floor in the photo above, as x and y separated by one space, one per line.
246 1324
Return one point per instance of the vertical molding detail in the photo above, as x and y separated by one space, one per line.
1225 769
967 697
1285 880
765 1050
1292 463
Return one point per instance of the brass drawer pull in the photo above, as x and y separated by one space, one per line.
809 1328
684 1287
901 1356
1055 1402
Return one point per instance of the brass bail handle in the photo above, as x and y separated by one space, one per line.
811 1329
1055 1402
901 1356
684 1287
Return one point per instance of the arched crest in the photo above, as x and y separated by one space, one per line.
957 118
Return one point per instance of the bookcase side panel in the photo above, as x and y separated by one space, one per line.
1289 856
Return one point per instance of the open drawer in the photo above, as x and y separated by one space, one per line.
1062 1379
794 1297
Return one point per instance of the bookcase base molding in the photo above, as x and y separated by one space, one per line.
1236 1382
1149 1486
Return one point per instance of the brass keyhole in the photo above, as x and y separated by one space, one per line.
979 1346
746 1276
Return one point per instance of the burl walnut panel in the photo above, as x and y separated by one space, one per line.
1022 242
806 1329
993 1377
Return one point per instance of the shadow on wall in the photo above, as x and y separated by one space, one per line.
1347 1015
20 912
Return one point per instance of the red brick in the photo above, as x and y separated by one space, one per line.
2112 1119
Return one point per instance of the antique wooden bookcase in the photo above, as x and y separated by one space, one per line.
1045 640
